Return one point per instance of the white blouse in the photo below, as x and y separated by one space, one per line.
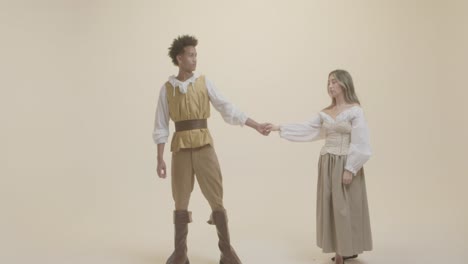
347 134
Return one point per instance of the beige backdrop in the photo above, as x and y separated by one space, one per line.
79 85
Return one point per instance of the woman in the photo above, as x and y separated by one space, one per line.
343 225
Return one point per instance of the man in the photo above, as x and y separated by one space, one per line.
185 99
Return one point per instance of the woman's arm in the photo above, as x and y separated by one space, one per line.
309 130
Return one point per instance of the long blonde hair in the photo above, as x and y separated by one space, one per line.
346 82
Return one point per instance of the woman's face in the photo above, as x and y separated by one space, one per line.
334 87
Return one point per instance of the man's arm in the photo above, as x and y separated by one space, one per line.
161 131
161 164
230 113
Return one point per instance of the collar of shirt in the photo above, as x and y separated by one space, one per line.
183 86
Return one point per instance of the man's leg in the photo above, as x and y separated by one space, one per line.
208 172
182 178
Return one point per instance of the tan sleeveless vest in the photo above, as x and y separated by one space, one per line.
195 104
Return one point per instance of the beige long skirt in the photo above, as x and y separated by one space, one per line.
343 224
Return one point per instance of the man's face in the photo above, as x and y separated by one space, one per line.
188 59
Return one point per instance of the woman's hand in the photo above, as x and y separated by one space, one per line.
347 177
271 127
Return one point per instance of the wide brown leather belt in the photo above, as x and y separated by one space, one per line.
190 124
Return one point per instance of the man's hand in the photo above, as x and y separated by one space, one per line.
161 168
347 177
262 129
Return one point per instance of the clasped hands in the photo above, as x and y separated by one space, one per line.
266 128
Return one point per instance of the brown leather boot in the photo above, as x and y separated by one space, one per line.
181 220
228 255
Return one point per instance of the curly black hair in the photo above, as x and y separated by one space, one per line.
178 46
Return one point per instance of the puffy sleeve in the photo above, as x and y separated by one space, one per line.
310 130
359 149
161 121
230 113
